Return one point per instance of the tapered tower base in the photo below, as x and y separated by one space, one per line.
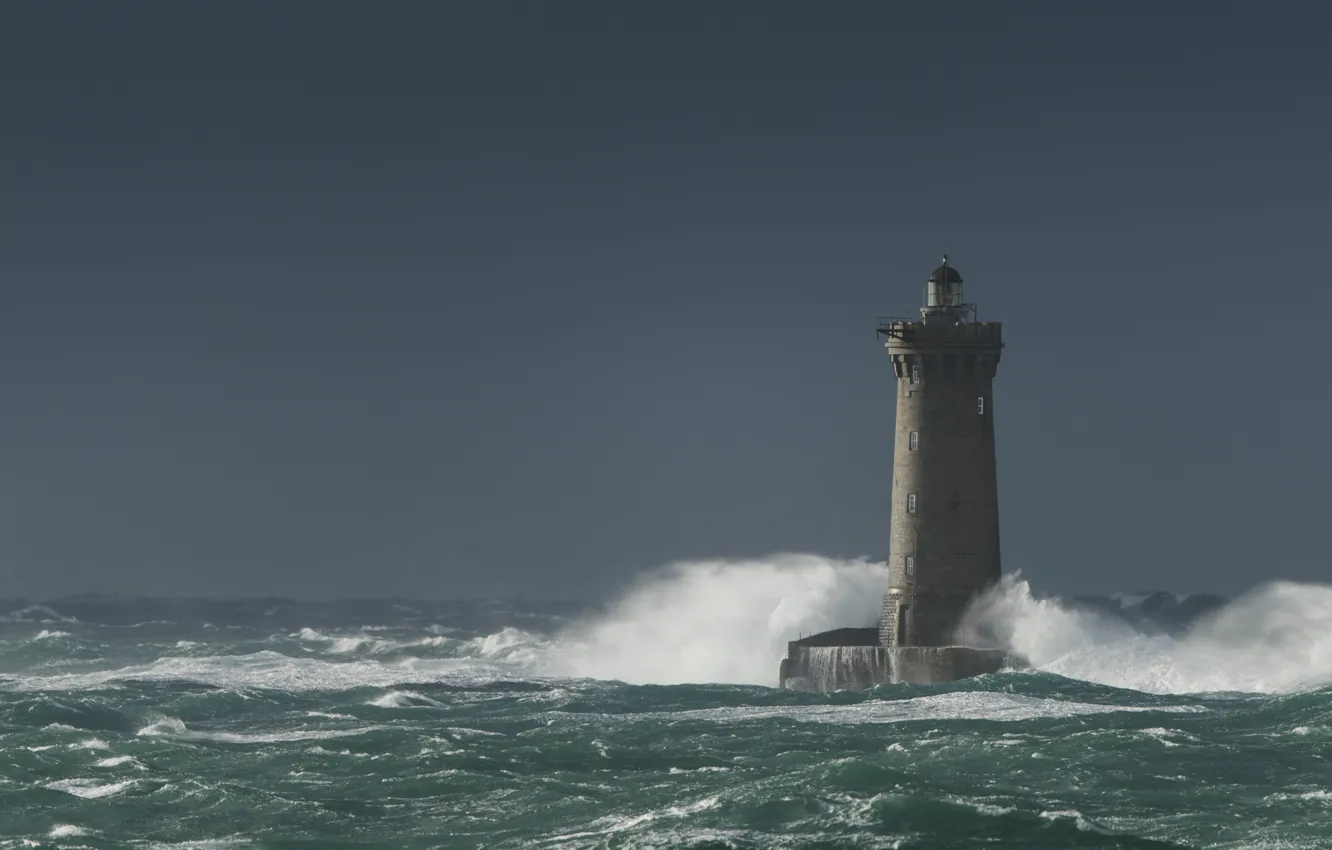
852 660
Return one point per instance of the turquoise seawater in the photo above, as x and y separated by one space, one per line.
422 733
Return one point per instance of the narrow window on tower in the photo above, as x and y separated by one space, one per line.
910 565
913 441
911 503
980 405
915 374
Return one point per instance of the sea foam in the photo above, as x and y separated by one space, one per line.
1276 638
717 621
729 621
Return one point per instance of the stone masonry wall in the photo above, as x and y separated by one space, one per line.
945 506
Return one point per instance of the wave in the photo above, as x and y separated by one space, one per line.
714 621
340 645
117 761
91 789
700 621
728 621
267 670
1275 639
363 644
404 699
172 727
37 614
959 705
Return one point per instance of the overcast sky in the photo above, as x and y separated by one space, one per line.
448 299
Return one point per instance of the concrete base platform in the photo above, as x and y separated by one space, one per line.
860 667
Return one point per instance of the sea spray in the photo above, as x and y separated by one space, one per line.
1276 638
728 622
718 621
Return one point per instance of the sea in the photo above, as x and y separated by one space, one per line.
652 720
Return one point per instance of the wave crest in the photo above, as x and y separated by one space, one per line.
717 621
1277 638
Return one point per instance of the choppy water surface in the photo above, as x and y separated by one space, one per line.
416 732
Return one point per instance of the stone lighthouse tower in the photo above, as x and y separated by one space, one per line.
945 503
945 514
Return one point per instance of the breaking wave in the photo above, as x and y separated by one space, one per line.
729 621
1277 638
697 622
36 614
715 621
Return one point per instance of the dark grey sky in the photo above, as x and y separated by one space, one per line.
445 299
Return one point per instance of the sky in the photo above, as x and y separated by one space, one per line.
438 300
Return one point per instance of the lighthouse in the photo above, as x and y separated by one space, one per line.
945 503
944 524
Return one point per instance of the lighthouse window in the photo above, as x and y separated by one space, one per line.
915 374
910 565
913 441
980 405
911 503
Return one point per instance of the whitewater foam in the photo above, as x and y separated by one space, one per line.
268 670
1275 639
91 789
728 622
38 613
508 644
965 705
338 645
172 727
404 699
117 761
715 621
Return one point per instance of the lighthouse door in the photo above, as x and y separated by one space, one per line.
903 624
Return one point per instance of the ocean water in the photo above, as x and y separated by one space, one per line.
653 723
